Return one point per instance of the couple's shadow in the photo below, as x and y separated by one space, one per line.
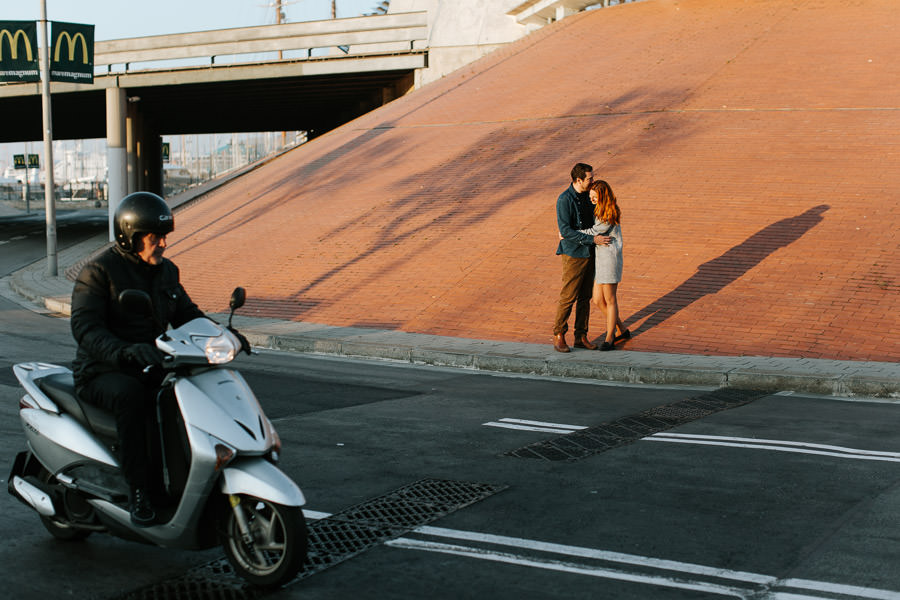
717 273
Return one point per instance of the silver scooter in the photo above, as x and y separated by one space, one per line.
215 448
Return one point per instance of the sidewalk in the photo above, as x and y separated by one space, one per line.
801 375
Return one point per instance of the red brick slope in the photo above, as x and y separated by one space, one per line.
752 144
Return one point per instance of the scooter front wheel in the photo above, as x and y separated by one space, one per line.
269 547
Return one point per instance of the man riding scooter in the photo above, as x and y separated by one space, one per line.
115 346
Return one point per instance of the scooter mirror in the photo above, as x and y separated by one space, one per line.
136 301
238 297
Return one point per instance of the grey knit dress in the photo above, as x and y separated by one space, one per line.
608 259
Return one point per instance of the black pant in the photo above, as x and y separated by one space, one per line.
132 403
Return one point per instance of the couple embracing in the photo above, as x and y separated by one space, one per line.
591 248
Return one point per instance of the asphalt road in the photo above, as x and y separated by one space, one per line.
23 238
782 497
658 518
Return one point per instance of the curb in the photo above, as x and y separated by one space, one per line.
621 366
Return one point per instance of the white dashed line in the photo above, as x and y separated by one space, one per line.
628 567
775 445
524 425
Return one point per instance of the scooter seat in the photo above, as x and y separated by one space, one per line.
60 388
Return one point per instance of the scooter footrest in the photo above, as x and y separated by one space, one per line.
114 496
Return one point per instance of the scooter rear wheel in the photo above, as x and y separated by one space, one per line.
278 546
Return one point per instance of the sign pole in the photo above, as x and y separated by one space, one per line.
49 196
25 188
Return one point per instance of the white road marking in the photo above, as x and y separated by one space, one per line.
642 562
543 424
605 555
528 428
524 425
746 585
715 440
555 565
835 588
15 238
776 445
315 515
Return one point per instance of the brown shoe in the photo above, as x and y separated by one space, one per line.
581 341
559 343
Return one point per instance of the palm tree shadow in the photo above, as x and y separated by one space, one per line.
717 273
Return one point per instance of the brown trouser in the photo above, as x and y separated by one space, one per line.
577 285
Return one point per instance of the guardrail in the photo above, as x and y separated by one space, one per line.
394 33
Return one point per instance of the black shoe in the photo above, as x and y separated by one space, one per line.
605 346
625 335
142 514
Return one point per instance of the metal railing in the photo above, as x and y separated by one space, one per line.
392 33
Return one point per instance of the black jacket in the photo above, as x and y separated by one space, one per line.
100 326
574 211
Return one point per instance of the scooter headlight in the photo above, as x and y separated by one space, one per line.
220 349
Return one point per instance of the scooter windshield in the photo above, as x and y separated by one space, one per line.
200 341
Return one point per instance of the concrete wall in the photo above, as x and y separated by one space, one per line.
461 31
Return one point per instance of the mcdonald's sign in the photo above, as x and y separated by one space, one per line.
72 52
19 51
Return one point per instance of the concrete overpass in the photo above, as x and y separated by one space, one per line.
313 76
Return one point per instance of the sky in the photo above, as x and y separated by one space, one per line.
116 19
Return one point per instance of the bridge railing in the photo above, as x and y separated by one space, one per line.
393 33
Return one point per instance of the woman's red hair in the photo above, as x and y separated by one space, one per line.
606 210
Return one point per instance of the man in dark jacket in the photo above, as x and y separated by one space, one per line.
573 212
115 346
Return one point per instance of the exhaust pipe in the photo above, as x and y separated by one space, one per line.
33 496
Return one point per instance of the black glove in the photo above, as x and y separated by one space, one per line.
245 345
143 355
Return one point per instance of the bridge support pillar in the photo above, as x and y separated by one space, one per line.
115 151
402 87
131 148
150 160
144 151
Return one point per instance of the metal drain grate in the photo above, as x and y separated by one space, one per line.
593 440
332 540
203 583
442 492
394 514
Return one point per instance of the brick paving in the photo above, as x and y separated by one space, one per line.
752 146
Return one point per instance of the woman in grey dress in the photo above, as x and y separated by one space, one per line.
608 260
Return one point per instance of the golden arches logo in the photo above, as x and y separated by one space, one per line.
71 42
14 44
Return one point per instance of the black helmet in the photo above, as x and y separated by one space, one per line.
141 212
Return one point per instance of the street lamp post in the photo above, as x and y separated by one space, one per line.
49 199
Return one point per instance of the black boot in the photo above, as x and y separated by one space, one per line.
142 514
